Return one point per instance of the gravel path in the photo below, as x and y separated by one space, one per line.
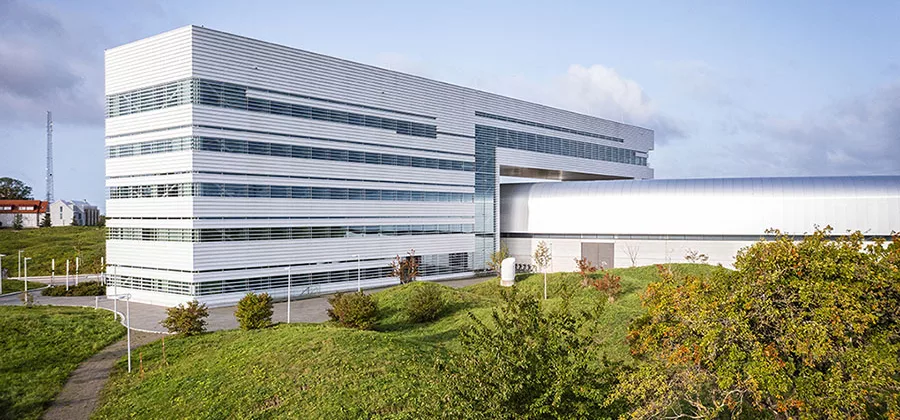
79 396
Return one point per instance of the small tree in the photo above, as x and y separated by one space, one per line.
528 363
695 257
186 319
17 222
542 258
45 221
405 268
632 252
354 310
585 268
497 259
254 311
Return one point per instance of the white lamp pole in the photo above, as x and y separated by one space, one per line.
127 298
116 297
1 272
289 296
26 278
77 260
52 270
128 327
67 274
358 276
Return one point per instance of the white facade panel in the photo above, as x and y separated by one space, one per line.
185 104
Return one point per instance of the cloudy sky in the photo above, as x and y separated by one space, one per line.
731 88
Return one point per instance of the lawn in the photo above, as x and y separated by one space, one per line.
324 371
10 286
63 242
40 347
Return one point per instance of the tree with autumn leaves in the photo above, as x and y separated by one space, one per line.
807 329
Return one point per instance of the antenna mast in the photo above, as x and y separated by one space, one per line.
49 160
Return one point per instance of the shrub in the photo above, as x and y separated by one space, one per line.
585 268
405 268
425 303
528 363
608 283
354 310
254 311
87 288
496 262
802 329
186 319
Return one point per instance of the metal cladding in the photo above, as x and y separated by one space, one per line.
722 206
231 159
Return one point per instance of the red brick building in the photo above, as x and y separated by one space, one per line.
31 211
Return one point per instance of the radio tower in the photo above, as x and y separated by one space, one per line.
49 160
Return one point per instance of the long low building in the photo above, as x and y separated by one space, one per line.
641 222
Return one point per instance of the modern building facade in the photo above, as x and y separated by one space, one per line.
625 223
233 162
30 211
74 213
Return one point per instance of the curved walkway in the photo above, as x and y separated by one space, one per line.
79 395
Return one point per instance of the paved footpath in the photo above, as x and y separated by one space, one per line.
79 395
147 317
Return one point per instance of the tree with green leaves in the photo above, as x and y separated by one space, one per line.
497 259
13 189
542 258
18 223
529 363
45 221
804 329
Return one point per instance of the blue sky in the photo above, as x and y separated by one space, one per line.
731 88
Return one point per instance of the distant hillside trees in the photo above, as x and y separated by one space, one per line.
13 189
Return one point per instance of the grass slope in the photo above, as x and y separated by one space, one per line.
63 242
324 371
10 286
39 349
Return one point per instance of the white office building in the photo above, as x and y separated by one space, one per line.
73 213
231 161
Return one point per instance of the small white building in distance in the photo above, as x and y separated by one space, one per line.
73 213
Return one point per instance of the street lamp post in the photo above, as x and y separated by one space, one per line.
1 272
67 274
289 295
116 297
26 278
52 270
127 298
358 276
77 260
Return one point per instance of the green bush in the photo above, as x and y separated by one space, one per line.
254 311
354 310
186 319
87 288
425 303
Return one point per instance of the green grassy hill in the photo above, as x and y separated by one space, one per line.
39 349
324 371
87 242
